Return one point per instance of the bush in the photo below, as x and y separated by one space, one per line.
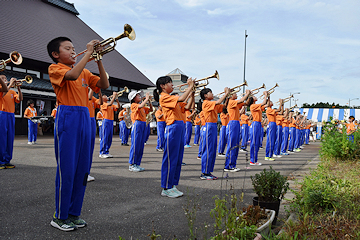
270 185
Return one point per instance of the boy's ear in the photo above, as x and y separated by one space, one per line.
55 55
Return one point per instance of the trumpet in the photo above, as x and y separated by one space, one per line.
28 79
295 106
120 93
271 90
197 82
128 32
14 57
234 89
285 99
255 90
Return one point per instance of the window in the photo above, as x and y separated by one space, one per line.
19 69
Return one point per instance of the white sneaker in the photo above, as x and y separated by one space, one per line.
177 191
90 178
169 193
33 143
131 168
221 155
109 155
234 170
278 156
29 143
242 150
136 168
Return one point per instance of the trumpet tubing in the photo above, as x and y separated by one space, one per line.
28 79
14 57
234 90
255 90
270 91
110 43
120 93
197 82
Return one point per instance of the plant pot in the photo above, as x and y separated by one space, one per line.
265 228
268 205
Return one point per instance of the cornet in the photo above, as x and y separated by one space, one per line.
28 79
128 32
270 91
120 93
197 82
285 99
234 89
14 57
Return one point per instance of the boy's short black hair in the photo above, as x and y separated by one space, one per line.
352 117
53 46
30 101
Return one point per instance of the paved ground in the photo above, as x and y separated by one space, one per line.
119 202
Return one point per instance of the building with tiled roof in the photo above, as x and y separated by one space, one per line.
27 27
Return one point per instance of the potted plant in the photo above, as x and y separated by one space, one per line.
270 186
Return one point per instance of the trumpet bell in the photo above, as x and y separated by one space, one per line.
16 58
28 79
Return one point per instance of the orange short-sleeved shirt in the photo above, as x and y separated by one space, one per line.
157 114
285 123
138 114
30 112
99 116
93 104
279 120
211 110
350 127
292 123
187 113
72 93
171 109
53 112
224 119
256 112
244 119
108 111
233 109
121 114
8 102
271 114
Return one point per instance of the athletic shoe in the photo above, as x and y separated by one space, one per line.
227 169
109 155
284 153
266 158
183 164
195 144
169 193
177 191
187 146
206 177
298 150
64 225
301 147
234 170
159 150
242 150
214 177
34 143
102 156
2 166
90 178
278 156
136 168
130 168
125 144
145 144
290 151
198 158
261 147
221 155
255 164
29 143
9 165
77 221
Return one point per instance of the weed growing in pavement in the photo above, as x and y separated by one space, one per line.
190 209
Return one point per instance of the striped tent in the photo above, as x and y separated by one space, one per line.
324 114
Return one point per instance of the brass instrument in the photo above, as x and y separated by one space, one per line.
255 91
234 89
110 43
28 79
270 91
120 93
14 57
198 84
285 99
295 106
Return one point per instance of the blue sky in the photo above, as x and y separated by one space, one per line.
303 45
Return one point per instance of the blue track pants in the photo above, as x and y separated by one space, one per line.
7 122
255 141
278 142
222 139
160 134
32 131
232 150
106 140
209 154
138 135
270 139
245 135
285 140
292 133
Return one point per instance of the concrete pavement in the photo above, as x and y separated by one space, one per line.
119 202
